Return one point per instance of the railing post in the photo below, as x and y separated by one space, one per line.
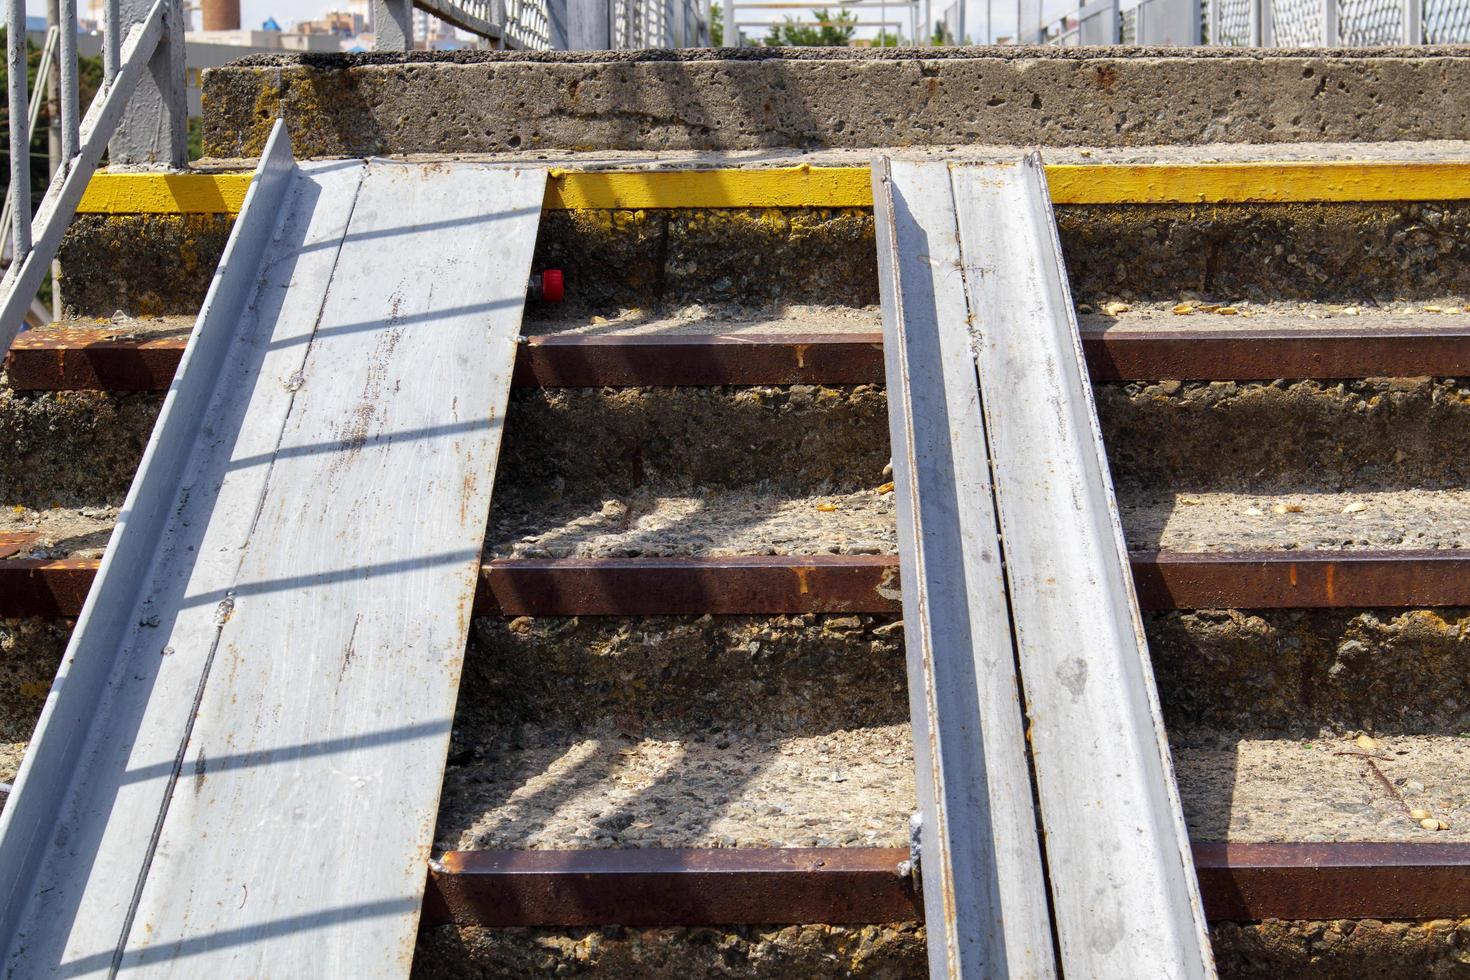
1330 35
20 136
1413 21
155 127
731 32
393 25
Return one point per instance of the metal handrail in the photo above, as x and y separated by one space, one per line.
36 238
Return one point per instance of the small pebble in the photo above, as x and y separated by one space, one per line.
1184 309
1253 512
1114 308
1227 311
886 488
1429 823
826 508
1350 311
1434 309
1420 814
1366 743
1356 507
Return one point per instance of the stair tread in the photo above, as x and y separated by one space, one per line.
547 789
862 522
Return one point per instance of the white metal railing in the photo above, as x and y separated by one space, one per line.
553 24
1255 23
138 34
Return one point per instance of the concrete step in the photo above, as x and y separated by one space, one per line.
657 259
755 786
79 448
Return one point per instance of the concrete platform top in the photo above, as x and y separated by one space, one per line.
805 99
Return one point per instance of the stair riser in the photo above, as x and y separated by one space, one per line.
161 264
588 445
1303 950
1278 673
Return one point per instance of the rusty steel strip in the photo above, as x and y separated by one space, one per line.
45 587
80 359
780 584
14 542
1251 354
86 359
570 361
1302 580
771 584
734 886
1245 882
638 887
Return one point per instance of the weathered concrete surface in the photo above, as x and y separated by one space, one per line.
1298 671
30 652
1338 950
1282 672
346 106
586 445
656 259
664 674
143 264
71 448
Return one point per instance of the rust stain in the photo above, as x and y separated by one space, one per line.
1291 575
1331 585
1106 77
801 572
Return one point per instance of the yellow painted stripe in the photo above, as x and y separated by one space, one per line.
1242 183
1206 183
151 193
784 187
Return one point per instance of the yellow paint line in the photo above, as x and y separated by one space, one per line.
154 193
838 187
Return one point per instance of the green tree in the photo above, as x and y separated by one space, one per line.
89 80
828 32
716 25
885 40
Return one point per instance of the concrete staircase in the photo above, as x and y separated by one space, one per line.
790 730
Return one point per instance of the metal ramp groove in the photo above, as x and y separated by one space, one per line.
237 770
1016 580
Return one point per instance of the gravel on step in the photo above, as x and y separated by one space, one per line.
536 788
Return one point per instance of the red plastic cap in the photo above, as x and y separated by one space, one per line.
552 287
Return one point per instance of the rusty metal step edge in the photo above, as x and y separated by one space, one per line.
1240 882
87 359
844 584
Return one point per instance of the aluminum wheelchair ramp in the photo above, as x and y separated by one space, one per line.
237 772
1016 589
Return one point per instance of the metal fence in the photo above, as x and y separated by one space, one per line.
1256 23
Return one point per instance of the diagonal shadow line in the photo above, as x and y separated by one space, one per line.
427 226
244 935
356 444
327 578
303 750
427 316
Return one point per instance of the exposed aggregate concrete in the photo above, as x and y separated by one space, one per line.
1026 96
661 259
1337 950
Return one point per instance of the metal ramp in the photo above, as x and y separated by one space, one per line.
1016 580
238 769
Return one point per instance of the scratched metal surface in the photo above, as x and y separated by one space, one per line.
1124 894
984 893
238 769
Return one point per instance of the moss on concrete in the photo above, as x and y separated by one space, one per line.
721 101
71 448
142 264
655 259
